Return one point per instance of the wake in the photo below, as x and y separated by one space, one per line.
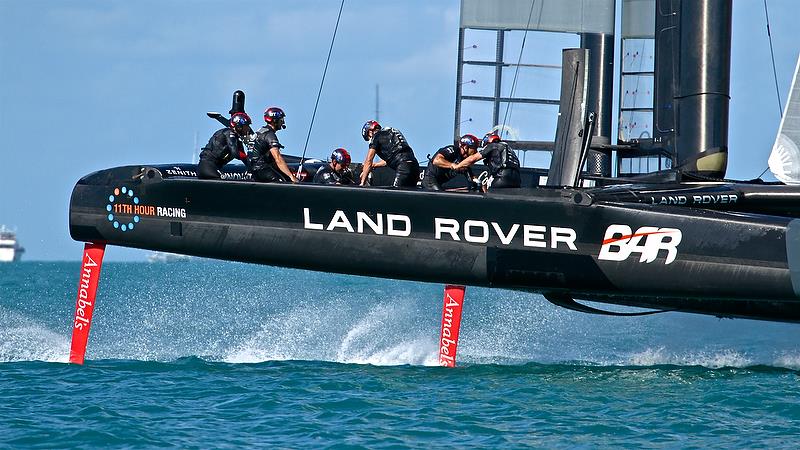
27 340
375 338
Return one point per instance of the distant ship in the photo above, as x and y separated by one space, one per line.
164 257
10 249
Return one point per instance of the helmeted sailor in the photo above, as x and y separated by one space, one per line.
266 162
442 166
501 160
224 146
337 171
392 148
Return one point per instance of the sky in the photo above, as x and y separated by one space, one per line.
92 84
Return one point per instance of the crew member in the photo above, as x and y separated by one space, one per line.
337 171
266 161
224 146
502 162
392 148
442 166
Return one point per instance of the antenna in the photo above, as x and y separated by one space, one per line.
377 103
194 148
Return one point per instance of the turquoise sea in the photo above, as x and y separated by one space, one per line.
216 354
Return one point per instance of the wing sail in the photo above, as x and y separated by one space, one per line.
784 161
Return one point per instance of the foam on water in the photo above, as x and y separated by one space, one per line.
788 361
360 343
373 337
711 360
26 340
147 313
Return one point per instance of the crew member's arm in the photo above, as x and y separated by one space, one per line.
470 160
380 163
348 177
367 167
439 161
276 153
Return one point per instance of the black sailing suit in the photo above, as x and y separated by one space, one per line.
326 175
262 164
223 147
391 146
436 176
503 165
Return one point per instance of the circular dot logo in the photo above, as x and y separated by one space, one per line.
118 204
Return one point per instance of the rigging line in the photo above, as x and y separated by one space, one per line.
772 54
321 83
774 73
516 71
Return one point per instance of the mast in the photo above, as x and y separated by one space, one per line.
599 97
692 86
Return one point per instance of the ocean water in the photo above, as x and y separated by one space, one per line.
217 354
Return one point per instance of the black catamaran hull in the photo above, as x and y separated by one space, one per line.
563 243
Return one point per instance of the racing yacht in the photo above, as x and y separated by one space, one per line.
681 238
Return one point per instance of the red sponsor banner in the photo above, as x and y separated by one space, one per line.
84 306
451 322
